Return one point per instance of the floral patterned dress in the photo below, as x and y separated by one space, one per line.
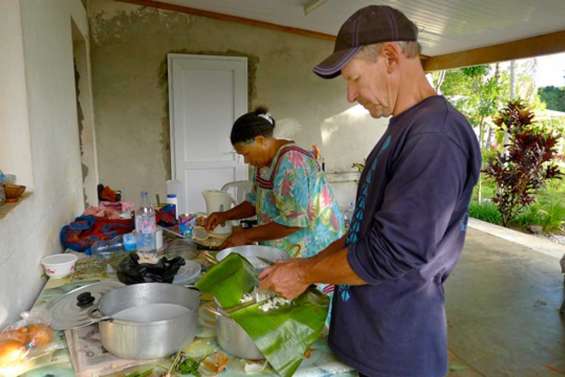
294 192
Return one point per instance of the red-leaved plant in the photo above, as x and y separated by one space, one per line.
526 162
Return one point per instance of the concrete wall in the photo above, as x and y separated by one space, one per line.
129 45
15 147
83 85
48 114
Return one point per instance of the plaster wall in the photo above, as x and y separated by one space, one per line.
45 111
15 152
129 45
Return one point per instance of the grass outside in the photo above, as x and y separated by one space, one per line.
548 211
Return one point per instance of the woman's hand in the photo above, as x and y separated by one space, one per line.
237 238
213 220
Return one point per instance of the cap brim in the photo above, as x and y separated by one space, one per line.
331 66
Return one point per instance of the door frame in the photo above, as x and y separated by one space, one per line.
173 56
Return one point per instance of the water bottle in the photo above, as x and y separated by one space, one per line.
145 226
104 249
348 214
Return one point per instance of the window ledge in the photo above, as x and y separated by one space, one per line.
9 207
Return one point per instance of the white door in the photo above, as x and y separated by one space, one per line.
206 95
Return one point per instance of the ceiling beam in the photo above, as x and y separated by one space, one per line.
524 48
230 18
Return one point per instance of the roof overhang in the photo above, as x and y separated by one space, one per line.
531 45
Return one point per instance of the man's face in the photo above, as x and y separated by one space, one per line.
372 84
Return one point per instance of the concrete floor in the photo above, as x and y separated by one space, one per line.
502 303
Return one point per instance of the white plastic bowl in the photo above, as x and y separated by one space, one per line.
58 266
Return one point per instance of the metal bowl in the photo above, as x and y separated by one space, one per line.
232 338
257 255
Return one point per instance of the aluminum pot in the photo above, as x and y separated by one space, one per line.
149 320
233 338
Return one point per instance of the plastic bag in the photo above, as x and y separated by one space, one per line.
24 339
130 271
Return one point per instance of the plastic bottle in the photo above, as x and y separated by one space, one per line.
175 187
105 248
145 226
172 199
348 214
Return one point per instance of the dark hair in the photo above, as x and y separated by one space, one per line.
248 126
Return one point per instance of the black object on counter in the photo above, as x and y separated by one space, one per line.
246 224
130 271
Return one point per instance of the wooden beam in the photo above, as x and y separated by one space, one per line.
230 18
524 48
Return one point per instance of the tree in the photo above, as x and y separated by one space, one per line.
524 164
477 92
553 97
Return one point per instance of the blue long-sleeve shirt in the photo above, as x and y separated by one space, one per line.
406 235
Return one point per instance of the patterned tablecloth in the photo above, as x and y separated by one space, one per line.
90 359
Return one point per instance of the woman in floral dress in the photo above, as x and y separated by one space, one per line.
291 196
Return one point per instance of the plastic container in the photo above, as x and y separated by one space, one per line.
145 226
186 224
58 266
105 249
172 200
174 187
130 243
159 239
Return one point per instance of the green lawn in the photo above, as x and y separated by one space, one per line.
547 211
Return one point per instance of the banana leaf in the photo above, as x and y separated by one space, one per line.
229 280
283 335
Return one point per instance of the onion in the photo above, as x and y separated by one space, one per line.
20 334
11 352
40 335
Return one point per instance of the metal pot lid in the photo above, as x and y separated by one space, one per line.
71 309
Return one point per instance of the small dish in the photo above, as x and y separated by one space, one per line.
58 266
188 273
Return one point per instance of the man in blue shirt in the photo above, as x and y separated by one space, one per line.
409 223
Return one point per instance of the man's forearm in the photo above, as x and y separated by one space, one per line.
331 267
334 247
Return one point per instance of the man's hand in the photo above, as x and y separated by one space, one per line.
286 278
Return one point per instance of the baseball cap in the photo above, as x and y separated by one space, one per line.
369 25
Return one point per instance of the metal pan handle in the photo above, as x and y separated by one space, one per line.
96 316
